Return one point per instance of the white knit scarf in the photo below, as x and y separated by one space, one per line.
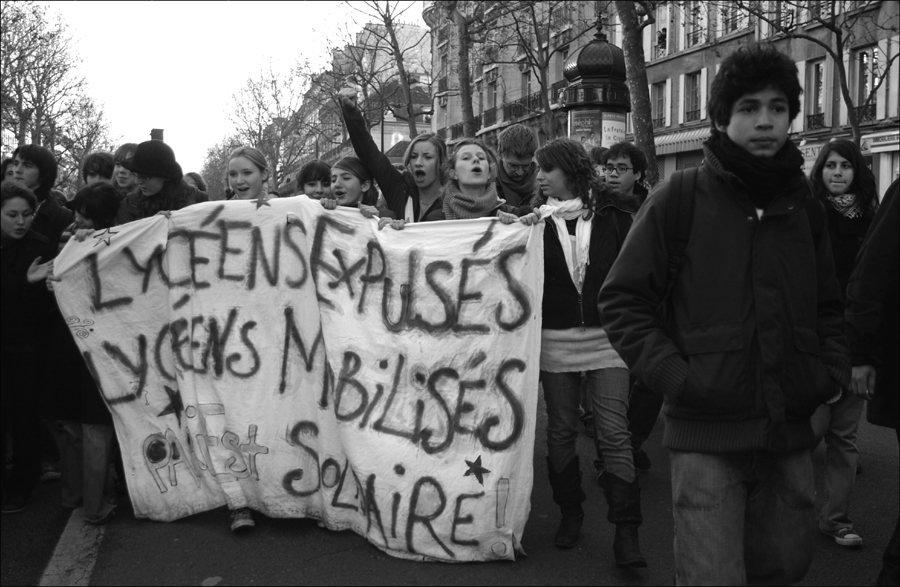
560 211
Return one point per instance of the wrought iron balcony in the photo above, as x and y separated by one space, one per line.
696 37
456 131
659 122
815 121
692 115
490 117
865 113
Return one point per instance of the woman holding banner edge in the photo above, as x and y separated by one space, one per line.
413 195
586 226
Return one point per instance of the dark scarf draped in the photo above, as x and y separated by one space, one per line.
460 207
766 178
517 192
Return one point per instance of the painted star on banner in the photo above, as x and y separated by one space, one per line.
176 406
261 201
105 237
476 469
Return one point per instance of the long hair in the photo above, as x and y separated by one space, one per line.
439 145
45 161
570 157
863 184
353 164
99 162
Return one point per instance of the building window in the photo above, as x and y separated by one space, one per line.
492 94
696 23
659 104
729 17
815 95
479 89
526 81
866 80
692 97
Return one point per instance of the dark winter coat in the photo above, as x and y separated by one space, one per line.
50 221
755 315
25 306
396 186
846 236
873 310
137 206
563 306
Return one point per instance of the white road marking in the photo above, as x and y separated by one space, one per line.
75 554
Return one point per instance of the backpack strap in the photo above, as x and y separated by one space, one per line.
679 216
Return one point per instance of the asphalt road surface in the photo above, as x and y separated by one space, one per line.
200 550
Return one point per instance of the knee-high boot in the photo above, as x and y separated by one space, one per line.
624 501
567 493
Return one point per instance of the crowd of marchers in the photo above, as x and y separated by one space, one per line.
756 307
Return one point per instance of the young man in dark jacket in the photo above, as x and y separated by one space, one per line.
873 330
517 172
752 340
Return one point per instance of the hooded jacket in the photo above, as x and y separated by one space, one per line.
753 318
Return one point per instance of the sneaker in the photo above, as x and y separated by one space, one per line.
104 520
50 472
14 505
641 461
844 536
241 520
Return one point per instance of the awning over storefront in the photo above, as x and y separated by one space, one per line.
881 142
686 140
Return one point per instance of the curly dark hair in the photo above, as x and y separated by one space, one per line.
863 184
750 69
569 156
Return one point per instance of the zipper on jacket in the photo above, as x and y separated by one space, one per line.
581 308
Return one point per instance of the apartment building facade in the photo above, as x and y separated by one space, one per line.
683 49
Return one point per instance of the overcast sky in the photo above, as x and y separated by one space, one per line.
175 65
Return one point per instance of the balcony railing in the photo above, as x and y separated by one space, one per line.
490 117
659 122
865 113
456 131
522 107
555 88
815 121
692 115
443 84
696 37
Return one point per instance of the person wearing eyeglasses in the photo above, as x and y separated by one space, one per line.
160 185
624 167
517 173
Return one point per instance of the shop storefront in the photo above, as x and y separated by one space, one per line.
884 150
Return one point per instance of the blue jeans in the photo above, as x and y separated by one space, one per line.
742 515
609 402
838 423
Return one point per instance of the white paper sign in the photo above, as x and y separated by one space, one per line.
379 381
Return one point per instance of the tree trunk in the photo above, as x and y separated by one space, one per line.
464 81
404 79
641 113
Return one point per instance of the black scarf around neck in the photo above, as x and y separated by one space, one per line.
766 178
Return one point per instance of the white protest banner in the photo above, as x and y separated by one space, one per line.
379 381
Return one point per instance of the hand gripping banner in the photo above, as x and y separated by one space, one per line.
298 361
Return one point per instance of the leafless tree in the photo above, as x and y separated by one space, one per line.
39 84
265 115
635 16
215 166
842 27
